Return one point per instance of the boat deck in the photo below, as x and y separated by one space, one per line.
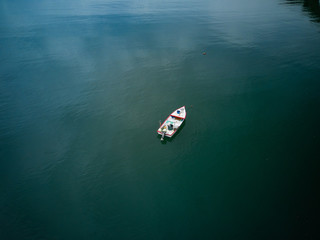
176 122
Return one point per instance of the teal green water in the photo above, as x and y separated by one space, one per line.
83 87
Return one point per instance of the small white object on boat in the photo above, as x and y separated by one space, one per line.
170 126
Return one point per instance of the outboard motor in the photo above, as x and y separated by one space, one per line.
162 136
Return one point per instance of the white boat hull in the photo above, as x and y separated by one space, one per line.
171 125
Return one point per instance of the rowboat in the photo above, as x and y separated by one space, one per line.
170 126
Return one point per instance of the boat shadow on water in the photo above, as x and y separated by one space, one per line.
168 139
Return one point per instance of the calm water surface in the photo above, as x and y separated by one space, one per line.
83 85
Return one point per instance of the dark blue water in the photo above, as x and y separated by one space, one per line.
83 85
